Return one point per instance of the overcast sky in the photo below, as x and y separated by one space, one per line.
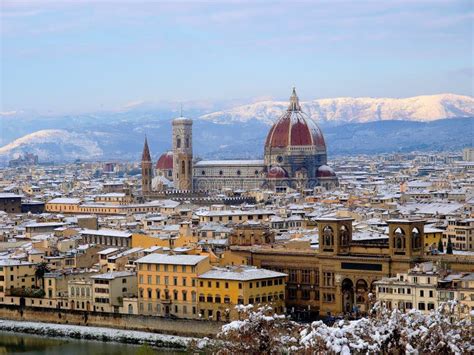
81 55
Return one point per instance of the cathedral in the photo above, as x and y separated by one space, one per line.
295 158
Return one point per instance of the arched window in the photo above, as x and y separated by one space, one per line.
130 309
217 299
141 293
344 236
158 293
415 238
72 291
361 290
183 167
178 142
328 236
399 240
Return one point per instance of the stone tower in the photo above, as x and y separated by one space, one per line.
146 169
183 153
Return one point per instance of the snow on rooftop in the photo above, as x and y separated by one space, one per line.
113 275
106 232
240 273
171 259
65 200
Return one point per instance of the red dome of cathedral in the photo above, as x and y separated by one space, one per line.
165 162
325 171
277 172
294 128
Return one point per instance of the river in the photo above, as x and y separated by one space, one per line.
26 344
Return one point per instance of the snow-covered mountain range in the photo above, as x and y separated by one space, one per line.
355 110
49 144
367 125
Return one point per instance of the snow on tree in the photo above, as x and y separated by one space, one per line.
442 331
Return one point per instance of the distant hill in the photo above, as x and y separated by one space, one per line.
123 139
355 110
350 125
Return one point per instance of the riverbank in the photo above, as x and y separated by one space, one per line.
149 324
97 333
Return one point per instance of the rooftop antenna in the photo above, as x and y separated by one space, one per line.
181 110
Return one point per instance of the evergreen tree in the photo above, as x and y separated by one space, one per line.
449 247
440 246
40 270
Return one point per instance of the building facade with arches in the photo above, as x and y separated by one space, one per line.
339 276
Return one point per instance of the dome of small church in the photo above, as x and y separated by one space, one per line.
165 162
295 128
325 171
277 172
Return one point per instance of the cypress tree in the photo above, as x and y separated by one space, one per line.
449 247
440 245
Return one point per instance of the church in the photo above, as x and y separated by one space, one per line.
295 158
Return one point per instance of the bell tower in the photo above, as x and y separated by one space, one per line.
146 169
183 153
406 237
335 235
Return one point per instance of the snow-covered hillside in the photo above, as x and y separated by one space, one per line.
348 109
54 144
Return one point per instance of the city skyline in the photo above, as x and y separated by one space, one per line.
65 57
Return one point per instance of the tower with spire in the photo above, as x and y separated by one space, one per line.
146 169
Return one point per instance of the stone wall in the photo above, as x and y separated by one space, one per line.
182 327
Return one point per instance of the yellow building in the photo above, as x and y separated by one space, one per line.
432 237
15 274
167 284
222 288
166 241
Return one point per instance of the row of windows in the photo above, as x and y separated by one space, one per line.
231 218
221 172
399 290
305 276
402 291
167 294
176 309
166 280
83 291
166 267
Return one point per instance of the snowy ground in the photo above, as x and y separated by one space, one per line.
96 333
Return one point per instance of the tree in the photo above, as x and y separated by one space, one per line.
257 332
440 246
40 270
449 247
385 331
